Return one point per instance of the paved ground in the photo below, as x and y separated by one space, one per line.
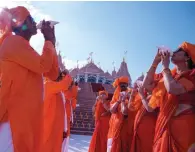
79 143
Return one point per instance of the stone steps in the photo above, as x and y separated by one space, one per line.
83 114
77 132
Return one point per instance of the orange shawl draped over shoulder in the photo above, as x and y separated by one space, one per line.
173 133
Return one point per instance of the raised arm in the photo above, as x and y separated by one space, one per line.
61 85
113 107
172 86
149 78
54 71
107 107
94 106
124 108
144 98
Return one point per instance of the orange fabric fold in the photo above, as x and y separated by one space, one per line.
54 114
136 104
169 136
99 139
144 129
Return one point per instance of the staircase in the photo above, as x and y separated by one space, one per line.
83 118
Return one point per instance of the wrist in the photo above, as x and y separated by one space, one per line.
166 71
49 39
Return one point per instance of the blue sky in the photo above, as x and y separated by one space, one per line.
110 28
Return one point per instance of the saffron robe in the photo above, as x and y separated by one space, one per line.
54 114
21 97
174 133
99 139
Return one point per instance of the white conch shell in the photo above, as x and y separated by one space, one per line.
123 93
165 49
52 23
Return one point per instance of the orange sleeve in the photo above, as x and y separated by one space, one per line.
61 86
136 103
17 49
54 71
157 95
187 84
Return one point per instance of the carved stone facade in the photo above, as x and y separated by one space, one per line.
94 74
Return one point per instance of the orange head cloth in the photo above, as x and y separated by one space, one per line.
116 84
103 92
9 18
190 49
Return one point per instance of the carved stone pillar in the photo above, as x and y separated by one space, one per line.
86 77
97 78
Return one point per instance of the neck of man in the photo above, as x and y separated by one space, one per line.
181 67
25 36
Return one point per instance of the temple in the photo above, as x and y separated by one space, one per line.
91 78
93 74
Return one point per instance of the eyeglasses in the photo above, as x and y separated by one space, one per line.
31 19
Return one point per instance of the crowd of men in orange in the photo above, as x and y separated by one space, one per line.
156 115
36 98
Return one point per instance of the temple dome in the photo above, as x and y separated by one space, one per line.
74 72
91 68
108 75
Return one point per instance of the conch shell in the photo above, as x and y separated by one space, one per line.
52 23
164 49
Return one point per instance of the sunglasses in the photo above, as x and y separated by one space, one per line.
123 85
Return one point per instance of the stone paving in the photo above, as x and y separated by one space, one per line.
79 143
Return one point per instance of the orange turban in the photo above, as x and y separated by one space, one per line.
9 18
190 49
122 79
116 84
19 15
103 92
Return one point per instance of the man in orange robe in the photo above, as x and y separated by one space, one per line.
54 113
175 95
102 117
22 70
119 122
70 105
145 120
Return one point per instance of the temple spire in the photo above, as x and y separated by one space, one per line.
90 55
125 54
77 63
